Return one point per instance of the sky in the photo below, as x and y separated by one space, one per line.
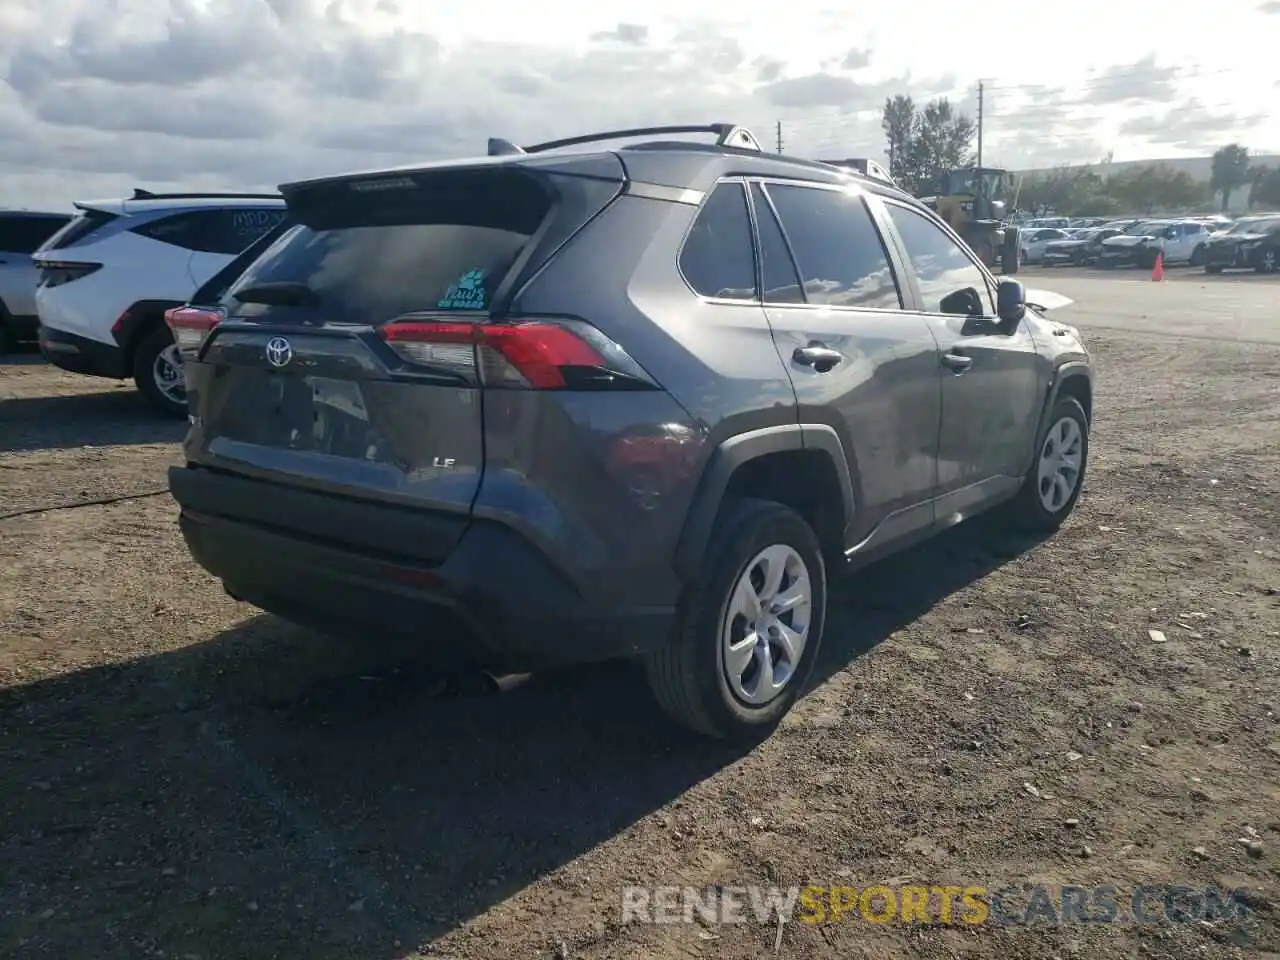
100 96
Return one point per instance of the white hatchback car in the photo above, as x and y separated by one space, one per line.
107 278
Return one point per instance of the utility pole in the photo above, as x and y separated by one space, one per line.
981 104
779 134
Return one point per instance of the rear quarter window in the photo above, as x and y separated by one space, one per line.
445 243
718 259
226 231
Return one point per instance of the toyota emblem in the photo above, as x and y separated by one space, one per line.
279 352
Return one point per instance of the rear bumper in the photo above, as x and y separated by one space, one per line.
509 606
1063 256
81 355
1124 256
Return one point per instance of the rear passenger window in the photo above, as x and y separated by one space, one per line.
717 259
837 248
950 281
781 282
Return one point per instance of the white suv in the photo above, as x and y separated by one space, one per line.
1182 241
107 278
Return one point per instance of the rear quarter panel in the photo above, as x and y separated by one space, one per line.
617 472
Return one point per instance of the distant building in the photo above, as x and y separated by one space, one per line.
1198 168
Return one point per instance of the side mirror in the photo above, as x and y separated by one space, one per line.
965 302
1011 301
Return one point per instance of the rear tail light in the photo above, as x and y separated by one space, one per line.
191 327
534 354
54 273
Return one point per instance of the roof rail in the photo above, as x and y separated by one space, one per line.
864 166
727 135
140 194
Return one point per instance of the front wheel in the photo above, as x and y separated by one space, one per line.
1267 262
1213 268
1052 485
157 371
749 627
1197 257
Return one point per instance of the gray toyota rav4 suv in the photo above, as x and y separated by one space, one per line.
638 401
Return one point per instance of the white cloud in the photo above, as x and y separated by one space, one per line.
102 95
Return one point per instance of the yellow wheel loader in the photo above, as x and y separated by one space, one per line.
974 202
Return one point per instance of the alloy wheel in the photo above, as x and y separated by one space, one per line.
168 375
1061 459
766 625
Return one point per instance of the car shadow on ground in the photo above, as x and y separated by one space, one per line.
271 792
108 418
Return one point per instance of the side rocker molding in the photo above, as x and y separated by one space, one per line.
741 449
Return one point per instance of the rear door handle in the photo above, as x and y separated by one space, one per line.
957 363
817 355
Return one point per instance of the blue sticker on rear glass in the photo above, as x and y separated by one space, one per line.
466 294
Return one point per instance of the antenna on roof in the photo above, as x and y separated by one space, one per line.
503 148
140 194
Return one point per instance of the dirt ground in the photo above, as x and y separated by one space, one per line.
182 777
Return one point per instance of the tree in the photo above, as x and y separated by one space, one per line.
1155 188
1266 187
898 123
924 144
1230 171
1066 191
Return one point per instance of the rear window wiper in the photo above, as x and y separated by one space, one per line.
283 293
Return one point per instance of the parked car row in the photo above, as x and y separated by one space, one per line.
1251 243
554 406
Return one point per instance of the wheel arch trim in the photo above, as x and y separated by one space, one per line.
1071 370
137 318
735 452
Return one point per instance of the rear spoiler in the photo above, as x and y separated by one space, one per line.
113 207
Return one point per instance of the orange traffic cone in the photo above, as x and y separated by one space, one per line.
1157 272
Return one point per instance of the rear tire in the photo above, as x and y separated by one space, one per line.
8 342
1268 261
1011 251
1212 268
1043 504
710 676
153 361
1197 257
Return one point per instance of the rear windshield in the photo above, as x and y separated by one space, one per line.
215 288
442 242
77 229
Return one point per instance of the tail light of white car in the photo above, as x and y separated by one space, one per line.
55 273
